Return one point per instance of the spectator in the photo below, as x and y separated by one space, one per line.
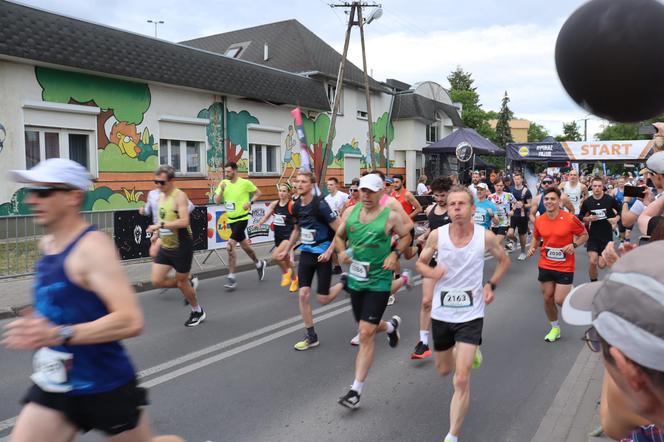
422 188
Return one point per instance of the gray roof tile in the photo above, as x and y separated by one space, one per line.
410 105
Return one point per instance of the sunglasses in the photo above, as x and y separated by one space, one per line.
47 191
547 182
591 337
353 190
160 182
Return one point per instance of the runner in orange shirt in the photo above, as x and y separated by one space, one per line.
560 232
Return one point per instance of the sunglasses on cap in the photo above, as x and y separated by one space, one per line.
591 337
47 191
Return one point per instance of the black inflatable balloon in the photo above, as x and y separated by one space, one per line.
610 58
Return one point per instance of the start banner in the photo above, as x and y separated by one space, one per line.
219 230
630 150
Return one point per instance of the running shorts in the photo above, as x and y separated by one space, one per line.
519 223
597 244
239 230
446 334
548 275
499 230
308 266
368 306
180 259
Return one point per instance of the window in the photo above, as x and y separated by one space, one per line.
362 115
263 159
351 167
432 133
331 90
184 156
41 144
233 52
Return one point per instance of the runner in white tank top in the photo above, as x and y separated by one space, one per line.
459 295
574 191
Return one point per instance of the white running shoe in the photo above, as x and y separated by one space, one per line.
522 256
355 341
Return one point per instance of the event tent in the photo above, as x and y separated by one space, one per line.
448 145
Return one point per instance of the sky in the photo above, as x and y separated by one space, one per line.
507 45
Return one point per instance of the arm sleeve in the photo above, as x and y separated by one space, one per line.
249 186
578 227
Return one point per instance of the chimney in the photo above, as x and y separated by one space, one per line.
266 52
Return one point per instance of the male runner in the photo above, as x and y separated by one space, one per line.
176 249
573 190
354 194
619 194
561 233
83 306
504 210
315 225
437 216
409 204
485 210
475 180
602 212
364 241
238 194
460 295
537 205
519 220
336 200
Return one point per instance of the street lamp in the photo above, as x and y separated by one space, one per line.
156 22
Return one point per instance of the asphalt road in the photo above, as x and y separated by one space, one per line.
236 377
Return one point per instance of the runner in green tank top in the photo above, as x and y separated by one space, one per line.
363 242
168 211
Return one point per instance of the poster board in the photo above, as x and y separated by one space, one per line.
219 231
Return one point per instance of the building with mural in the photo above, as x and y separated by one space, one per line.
122 103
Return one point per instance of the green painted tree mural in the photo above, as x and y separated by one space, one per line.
236 144
215 134
383 133
16 205
347 149
316 132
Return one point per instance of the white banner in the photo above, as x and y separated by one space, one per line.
607 150
219 231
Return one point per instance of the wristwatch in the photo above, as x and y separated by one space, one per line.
66 332
398 252
575 245
162 224
493 285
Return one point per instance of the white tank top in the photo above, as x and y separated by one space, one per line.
458 296
574 194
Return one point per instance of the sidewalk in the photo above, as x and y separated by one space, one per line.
17 293
574 411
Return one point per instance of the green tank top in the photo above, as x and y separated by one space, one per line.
370 245
171 238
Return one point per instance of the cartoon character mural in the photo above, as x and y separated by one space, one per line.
292 151
316 131
3 137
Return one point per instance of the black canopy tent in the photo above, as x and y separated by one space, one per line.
441 159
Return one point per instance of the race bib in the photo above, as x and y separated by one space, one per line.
308 236
456 298
165 232
51 370
553 254
230 207
599 213
279 220
479 217
359 271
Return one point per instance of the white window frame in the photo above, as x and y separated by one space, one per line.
182 171
352 167
277 161
331 92
435 126
63 143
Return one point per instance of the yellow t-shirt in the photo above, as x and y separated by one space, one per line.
236 195
168 211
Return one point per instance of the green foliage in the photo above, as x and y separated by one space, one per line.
461 80
100 193
536 132
116 201
16 205
472 114
503 130
346 149
571 132
315 131
619 131
237 127
215 134
112 160
128 100
383 128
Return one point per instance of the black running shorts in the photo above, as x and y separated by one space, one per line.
239 230
598 245
368 306
308 266
112 412
499 230
446 334
548 275
519 223
180 259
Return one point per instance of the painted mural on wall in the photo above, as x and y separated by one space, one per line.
383 133
3 137
237 147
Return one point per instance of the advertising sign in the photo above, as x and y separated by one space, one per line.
219 230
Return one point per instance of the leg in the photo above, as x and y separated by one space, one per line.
248 250
305 307
154 245
445 361
425 306
324 272
522 241
561 292
593 258
284 264
230 247
185 287
501 239
366 353
37 423
548 290
465 353
160 277
142 433
510 234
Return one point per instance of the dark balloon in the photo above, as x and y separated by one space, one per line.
609 57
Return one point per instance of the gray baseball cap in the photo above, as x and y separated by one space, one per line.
627 306
656 162
55 171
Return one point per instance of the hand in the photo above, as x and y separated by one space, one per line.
246 206
531 251
568 249
488 294
30 332
609 256
344 259
648 197
325 256
438 272
153 228
592 218
282 255
390 263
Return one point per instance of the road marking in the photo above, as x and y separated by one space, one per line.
8 423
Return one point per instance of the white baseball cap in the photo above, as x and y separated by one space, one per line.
372 182
55 171
482 186
656 162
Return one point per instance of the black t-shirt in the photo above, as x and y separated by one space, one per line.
524 195
314 220
604 208
436 221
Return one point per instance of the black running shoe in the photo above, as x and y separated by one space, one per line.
336 270
422 351
394 337
261 269
195 318
350 399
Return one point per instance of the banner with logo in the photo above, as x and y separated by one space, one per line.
630 150
219 230
130 234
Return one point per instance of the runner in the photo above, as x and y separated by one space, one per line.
504 202
475 180
84 305
458 307
354 194
519 220
561 233
437 216
409 204
485 210
337 201
282 209
236 193
625 233
538 202
364 241
573 190
176 249
602 212
315 224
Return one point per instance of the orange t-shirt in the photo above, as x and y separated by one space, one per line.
557 233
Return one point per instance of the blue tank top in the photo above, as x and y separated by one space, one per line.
620 196
94 368
540 207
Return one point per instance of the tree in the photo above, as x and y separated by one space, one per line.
571 132
503 131
383 132
472 114
315 131
461 80
536 132
619 131
236 144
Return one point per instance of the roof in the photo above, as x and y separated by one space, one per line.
292 47
411 106
48 38
448 145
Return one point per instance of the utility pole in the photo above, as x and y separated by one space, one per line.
367 93
156 22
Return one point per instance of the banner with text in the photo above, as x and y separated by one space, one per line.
219 230
631 150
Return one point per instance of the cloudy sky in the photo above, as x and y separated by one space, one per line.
507 45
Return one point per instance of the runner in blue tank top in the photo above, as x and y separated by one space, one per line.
83 306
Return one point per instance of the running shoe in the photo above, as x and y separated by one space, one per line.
355 341
393 338
231 283
286 278
293 285
509 245
553 335
522 256
307 343
336 270
391 300
447 439
409 279
422 351
261 269
350 399
477 361
195 318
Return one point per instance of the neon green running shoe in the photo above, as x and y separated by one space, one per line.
553 335
477 361
307 343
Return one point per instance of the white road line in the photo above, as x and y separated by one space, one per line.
8 423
